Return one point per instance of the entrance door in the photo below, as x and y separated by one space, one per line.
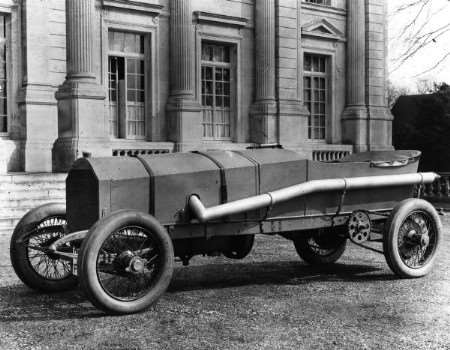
216 91
126 73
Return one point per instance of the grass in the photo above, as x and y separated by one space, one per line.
269 300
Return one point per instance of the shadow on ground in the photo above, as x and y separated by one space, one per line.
19 303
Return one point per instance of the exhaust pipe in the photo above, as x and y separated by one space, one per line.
315 186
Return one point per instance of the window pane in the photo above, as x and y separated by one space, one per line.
315 94
2 26
209 100
131 95
218 74
125 66
140 45
3 76
131 66
307 63
131 81
226 74
208 73
117 41
140 82
219 89
216 90
209 87
130 43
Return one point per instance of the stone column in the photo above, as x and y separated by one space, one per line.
292 114
264 121
184 112
81 120
379 115
36 97
354 128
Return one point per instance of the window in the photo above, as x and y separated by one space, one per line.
319 2
316 92
3 76
216 77
126 85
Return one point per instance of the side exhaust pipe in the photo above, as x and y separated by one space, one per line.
315 186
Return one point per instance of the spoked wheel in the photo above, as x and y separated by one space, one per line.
241 246
126 262
412 237
322 246
33 263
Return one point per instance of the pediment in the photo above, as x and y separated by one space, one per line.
322 29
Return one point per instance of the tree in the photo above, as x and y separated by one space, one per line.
425 28
422 122
394 92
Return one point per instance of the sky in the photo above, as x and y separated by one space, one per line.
436 15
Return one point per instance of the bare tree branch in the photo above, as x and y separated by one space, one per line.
420 32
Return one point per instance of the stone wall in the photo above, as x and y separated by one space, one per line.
270 38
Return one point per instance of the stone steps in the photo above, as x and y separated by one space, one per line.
20 193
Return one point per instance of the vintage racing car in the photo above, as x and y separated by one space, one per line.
127 218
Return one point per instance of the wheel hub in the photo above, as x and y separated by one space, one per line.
417 238
359 227
137 265
129 262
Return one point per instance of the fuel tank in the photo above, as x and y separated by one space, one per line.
161 184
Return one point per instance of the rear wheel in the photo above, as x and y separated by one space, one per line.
33 263
412 237
126 262
322 246
241 246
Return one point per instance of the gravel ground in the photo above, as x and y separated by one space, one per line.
269 300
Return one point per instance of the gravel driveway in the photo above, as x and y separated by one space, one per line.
269 300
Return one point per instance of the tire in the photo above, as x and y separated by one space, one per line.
241 246
321 247
114 262
412 237
37 269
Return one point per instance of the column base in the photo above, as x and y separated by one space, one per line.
293 123
11 156
67 150
38 156
354 127
81 122
264 128
184 122
39 116
380 129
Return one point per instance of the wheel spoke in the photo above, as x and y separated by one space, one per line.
117 274
414 253
47 266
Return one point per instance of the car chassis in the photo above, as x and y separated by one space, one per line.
124 259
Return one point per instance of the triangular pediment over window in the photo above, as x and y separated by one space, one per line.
322 29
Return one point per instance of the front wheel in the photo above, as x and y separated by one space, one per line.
126 262
322 246
412 236
33 263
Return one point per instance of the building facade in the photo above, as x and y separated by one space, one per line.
116 77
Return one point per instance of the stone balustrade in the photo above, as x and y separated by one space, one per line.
328 156
438 189
438 192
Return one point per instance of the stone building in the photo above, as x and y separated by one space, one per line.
117 77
